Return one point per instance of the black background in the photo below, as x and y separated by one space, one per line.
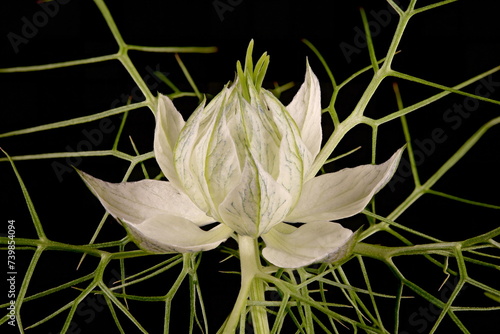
447 45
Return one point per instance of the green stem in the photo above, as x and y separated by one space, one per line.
356 116
251 286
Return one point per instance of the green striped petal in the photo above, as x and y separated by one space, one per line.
256 204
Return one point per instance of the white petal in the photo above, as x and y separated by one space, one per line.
135 202
223 170
166 233
305 109
169 123
189 157
290 247
294 157
256 204
261 134
344 193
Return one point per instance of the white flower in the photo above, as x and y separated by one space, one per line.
241 161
